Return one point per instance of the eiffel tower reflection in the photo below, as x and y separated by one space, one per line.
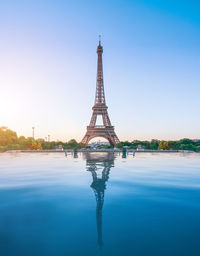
99 165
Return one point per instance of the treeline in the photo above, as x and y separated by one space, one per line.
56 144
183 144
10 141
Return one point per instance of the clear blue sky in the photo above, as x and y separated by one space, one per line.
151 66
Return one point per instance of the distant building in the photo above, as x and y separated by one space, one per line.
140 148
99 143
59 147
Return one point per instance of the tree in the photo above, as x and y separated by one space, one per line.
164 145
198 148
186 141
22 141
187 147
72 143
7 136
154 144
36 145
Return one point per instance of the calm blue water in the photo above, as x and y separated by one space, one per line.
99 204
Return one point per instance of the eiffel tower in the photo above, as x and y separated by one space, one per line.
106 130
99 164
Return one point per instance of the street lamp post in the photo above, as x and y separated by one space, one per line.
33 132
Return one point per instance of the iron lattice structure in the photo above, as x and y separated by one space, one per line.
99 166
106 130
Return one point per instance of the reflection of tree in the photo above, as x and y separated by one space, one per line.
99 165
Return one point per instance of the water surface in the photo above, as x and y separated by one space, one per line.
99 204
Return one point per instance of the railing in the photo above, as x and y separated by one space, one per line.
100 126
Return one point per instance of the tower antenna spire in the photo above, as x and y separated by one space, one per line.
99 39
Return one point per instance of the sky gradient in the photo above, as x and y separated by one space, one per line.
151 66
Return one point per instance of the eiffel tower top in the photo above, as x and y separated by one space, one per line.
99 39
100 96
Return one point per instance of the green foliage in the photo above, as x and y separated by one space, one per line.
183 144
124 144
36 145
7 136
49 145
10 141
72 143
164 145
